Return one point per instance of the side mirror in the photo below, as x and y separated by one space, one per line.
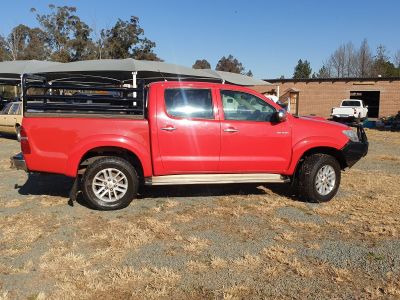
281 115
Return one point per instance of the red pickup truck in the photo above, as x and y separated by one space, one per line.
174 133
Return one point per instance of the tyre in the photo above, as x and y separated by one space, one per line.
18 131
319 178
110 183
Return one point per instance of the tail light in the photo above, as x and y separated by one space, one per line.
355 111
332 111
25 147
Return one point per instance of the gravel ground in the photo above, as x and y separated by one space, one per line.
206 242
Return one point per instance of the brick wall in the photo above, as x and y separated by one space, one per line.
318 97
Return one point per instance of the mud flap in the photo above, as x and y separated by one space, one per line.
74 190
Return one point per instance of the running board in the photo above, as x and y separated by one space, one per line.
215 179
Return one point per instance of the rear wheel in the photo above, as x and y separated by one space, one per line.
319 178
110 183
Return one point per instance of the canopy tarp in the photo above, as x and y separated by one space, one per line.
11 71
238 79
121 70
116 71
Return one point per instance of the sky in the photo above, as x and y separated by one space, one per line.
267 37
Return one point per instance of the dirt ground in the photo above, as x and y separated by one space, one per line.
206 242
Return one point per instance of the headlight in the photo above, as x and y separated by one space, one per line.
352 135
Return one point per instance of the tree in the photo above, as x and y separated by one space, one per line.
396 59
249 73
58 26
201 64
364 60
323 73
124 40
3 49
350 60
302 69
230 64
382 66
81 47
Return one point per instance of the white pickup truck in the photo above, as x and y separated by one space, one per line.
351 110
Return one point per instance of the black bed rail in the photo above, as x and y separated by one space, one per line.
52 98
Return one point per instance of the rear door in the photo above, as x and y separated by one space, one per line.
250 142
188 129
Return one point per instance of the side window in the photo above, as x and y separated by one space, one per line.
245 107
6 110
189 103
14 109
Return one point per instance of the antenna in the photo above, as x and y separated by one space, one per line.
162 75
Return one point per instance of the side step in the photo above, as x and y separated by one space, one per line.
215 179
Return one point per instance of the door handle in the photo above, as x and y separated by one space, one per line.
168 128
230 130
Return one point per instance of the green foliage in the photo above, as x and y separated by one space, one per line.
124 40
63 37
249 73
302 69
382 66
230 64
201 64
59 26
323 73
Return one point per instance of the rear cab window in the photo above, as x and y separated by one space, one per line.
189 103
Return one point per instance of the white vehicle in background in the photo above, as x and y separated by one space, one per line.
351 110
285 106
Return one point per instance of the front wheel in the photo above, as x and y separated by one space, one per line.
319 178
110 183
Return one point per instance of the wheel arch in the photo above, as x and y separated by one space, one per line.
336 153
109 145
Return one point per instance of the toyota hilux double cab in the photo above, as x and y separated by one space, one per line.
176 133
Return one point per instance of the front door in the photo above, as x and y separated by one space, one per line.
250 142
188 131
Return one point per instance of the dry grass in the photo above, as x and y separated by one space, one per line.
196 266
218 263
21 230
195 245
12 203
248 261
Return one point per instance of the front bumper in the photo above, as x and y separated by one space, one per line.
354 151
18 162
